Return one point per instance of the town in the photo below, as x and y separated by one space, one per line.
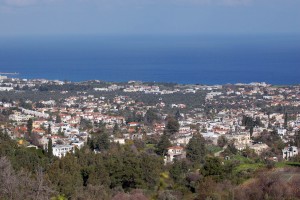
253 120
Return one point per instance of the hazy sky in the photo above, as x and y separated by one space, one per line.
126 17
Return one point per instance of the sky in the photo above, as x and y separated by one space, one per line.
148 17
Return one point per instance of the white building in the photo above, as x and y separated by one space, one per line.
78 144
182 139
6 88
289 152
35 113
119 140
18 117
62 150
281 132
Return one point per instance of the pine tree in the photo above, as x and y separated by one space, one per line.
172 126
103 142
162 145
195 150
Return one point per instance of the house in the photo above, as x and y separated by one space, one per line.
211 136
174 152
240 140
182 139
119 140
281 132
289 152
62 150
78 144
136 136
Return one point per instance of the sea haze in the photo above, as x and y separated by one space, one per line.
181 59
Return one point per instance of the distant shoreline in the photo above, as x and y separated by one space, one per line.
186 60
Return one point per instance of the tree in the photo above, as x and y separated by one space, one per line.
213 167
162 145
60 132
222 141
116 129
230 149
58 119
178 170
151 116
49 129
29 126
177 115
65 174
195 150
172 126
251 131
49 149
100 141
22 185
285 124
29 130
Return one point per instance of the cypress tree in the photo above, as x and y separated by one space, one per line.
285 120
49 129
29 129
50 150
29 126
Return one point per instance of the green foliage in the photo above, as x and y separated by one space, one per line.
230 150
273 140
249 122
285 124
99 140
196 150
59 197
65 174
58 119
178 115
29 126
49 129
151 116
249 153
133 171
213 167
222 141
172 126
50 149
103 142
7 145
178 171
116 129
162 145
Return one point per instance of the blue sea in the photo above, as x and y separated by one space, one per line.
182 59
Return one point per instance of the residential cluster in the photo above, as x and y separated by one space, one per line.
237 112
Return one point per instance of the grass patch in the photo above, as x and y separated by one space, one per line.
213 149
286 164
245 167
293 164
150 146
